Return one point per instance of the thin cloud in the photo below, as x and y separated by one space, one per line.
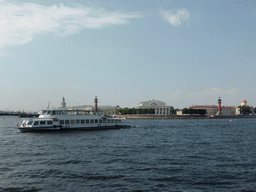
19 23
177 18
202 93
217 91
177 93
186 97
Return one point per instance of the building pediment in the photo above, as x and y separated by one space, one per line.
151 103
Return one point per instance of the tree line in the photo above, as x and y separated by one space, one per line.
246 109
193 111
131 111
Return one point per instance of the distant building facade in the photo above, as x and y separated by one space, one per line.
105 110
225 110
213 109
160 107
108 110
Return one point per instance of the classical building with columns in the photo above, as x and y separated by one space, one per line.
159 106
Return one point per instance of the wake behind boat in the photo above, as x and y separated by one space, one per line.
71 120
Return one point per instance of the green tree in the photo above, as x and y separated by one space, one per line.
125 111
133 110
245 109
130 111
185 111
139 111
119 111
151 111
144 111
172 110
193 111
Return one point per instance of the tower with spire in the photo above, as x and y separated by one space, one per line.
63 104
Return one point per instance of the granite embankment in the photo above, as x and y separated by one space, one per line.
183 116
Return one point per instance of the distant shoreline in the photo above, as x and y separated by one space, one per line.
19 115
184 116
155 116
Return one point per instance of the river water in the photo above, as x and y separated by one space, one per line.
155 155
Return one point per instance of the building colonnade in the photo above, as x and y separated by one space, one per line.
162 111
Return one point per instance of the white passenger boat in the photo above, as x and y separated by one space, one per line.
71 120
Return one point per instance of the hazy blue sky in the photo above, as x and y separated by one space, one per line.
126 51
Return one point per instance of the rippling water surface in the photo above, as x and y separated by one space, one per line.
156 155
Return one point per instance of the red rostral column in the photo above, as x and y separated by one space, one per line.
95 102
219 106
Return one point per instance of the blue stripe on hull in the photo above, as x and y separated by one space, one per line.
47 129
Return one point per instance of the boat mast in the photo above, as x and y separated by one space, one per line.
48 107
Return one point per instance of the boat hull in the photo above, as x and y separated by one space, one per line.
52 129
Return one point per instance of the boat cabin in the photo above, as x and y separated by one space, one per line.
37 122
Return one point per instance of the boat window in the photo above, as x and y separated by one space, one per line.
49 122
108 121
61 122
116 120
82 121
30 122
96 120
36 123
48 112
77 121
66 121
72 121
112 120
54 113
119 121
100 121
104 120
87 121
42 122
91 121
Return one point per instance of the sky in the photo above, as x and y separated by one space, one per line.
188 52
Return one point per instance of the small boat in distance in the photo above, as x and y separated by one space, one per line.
71 120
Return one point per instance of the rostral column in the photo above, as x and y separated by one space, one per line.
95 104
219 106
